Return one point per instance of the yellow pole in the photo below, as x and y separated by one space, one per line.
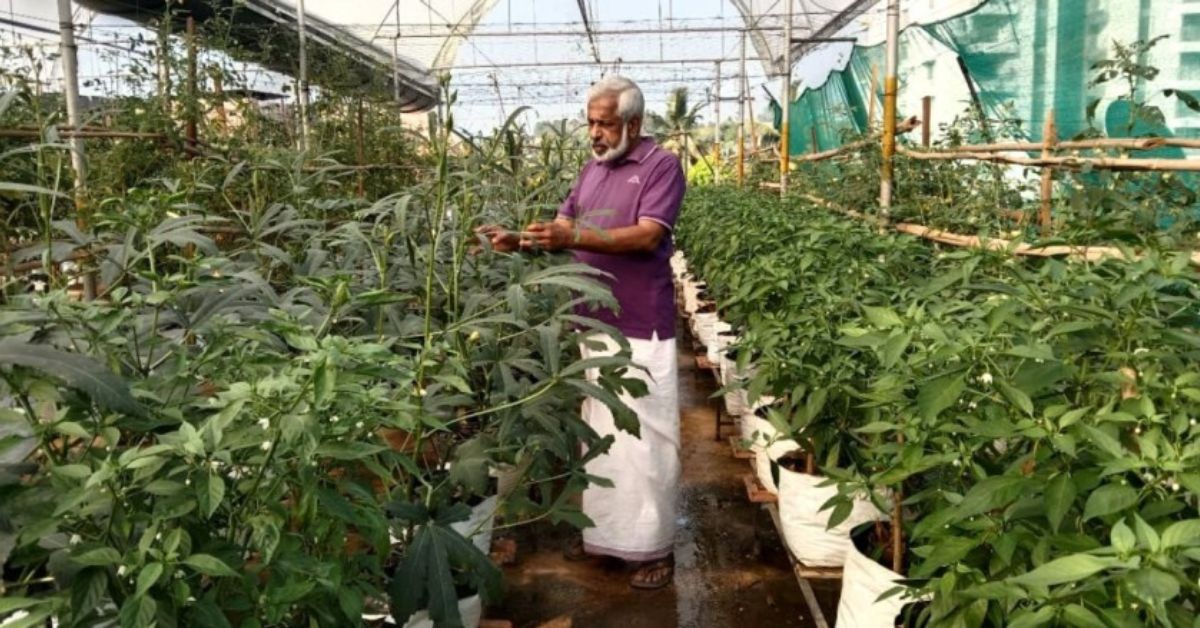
786 95
890 85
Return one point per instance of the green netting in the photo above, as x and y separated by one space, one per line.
1024 58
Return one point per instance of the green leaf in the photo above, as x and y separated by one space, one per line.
148 576
1067 569
76 371
1181 533
882 317
138 612
1033 618
990 494
1108 443
940 394
210 492
1153 585
10 604
9 186
209 565
1108 499
100 557
1080 617
1123 539
624 418
1060 495
1017 397
946 550
894 349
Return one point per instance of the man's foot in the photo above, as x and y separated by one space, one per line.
654 574
573 551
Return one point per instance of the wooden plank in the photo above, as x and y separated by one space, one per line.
703 363
756 492
740 452
804 573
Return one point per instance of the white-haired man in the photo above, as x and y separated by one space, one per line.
618 218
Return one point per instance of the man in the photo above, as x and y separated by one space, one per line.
618 218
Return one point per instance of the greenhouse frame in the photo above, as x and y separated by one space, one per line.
548 313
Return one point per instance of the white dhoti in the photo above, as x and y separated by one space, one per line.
635 520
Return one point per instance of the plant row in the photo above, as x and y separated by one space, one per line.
1033 418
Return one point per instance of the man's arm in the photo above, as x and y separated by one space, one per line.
644 237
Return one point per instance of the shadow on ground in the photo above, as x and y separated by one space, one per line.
731 567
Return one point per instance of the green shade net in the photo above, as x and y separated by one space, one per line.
1024 57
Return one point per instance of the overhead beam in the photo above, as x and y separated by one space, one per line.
686 30
833 26
547 64
587 26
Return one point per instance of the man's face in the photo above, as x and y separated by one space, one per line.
609 135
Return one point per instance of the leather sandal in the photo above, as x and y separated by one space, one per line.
654 574
573 551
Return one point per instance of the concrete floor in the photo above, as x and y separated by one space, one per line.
731 569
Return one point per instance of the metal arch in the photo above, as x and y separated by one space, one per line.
761 45
460 31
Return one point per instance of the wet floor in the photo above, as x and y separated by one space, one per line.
731 569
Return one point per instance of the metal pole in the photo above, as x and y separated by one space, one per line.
302 23
890 84
396 53
741 129
717 164
786 93
70 68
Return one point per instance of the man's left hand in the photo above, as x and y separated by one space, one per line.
549 236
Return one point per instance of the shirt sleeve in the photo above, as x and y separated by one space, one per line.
570 206
663 194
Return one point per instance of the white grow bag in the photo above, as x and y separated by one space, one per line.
471 610
804 523
478 528
863 581
769 447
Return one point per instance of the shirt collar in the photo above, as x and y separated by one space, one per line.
638 153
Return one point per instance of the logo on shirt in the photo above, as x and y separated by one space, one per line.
634 180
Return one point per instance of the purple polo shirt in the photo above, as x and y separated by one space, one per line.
647 183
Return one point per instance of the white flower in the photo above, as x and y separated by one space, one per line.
75 539
1140 351
334 419
121 571
187 482
972 405
266 445
474 336
359 425
1175 486
986 379
1192 421
264 423
957 462
1137 430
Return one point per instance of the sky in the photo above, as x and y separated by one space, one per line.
487 94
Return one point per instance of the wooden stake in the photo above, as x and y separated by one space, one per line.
812 136
190 131
926 120
360 149
1049 139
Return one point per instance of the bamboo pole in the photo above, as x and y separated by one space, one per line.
360 149
1099 163
1142 143
873 96
786 95
901 128
741 132
192 109
890 87
717 165
70 68
926 120
302 24
1049 139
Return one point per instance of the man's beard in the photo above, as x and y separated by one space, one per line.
613 154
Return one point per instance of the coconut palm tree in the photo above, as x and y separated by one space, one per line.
676 129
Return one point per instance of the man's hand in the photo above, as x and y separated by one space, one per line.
549 236
502 240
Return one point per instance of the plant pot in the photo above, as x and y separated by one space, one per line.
478 527
805 524
469 608
746 423
702 325
863 581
